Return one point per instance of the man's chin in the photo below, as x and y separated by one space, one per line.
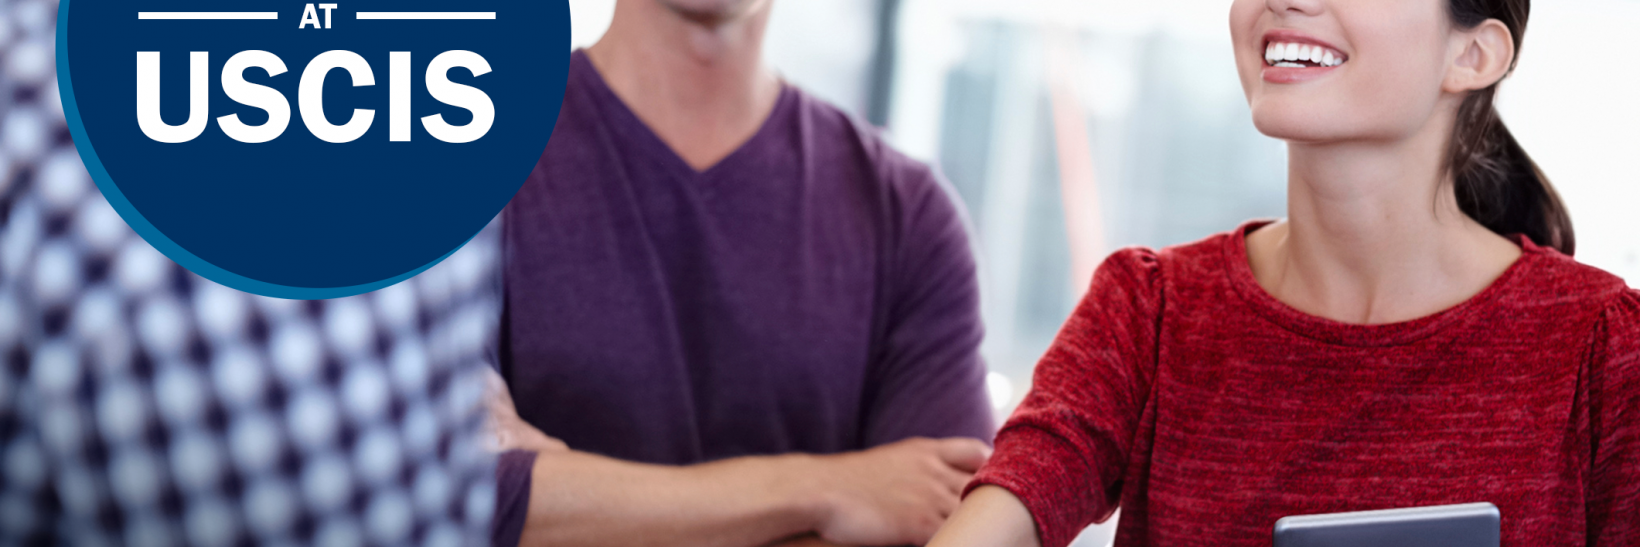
710 12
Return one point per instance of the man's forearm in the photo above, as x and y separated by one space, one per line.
806 541
583 500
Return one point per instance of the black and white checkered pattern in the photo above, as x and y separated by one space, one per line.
143 405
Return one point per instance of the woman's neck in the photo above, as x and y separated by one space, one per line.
1374 234
699 84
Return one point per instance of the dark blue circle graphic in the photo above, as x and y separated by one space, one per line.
311 150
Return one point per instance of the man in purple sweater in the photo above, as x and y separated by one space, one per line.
750 321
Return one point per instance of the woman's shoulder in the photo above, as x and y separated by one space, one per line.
1150 269
1622 324
1555 276
1206 254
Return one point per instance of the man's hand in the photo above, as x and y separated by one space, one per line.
894 494
507 430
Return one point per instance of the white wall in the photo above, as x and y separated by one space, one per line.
1573 105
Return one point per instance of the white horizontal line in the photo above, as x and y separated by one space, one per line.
207 15
426 15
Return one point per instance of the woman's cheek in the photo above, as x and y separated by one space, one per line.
1401 98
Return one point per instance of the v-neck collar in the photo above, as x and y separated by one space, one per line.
630 127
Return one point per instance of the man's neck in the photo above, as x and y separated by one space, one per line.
699 84
1375 235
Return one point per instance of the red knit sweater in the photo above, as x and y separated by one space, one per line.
1207 410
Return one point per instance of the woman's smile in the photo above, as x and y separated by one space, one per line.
1291 57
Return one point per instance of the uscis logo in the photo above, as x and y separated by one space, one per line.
311 150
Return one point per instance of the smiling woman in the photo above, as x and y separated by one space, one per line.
1375 350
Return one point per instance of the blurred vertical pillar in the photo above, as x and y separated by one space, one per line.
1078 179
882 62
1011 181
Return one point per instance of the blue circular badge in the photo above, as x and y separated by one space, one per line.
311 150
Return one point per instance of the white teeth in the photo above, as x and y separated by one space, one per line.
1294 54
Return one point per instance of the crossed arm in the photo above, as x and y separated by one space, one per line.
896 494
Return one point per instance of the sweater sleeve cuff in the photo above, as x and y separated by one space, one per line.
1048 475
512 497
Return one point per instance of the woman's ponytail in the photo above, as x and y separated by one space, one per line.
1497 184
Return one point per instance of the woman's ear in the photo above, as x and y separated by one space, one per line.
1485 54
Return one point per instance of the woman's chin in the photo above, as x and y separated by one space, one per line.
1300 129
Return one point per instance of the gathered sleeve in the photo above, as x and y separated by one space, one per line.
1613 499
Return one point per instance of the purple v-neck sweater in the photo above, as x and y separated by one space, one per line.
813 292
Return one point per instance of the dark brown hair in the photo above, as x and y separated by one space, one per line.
1497 184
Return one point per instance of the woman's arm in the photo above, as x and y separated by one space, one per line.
990 517
1060 460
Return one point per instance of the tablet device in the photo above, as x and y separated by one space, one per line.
1468 525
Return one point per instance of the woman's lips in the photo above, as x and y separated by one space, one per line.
1293 75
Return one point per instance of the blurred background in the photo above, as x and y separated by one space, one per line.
1072 128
